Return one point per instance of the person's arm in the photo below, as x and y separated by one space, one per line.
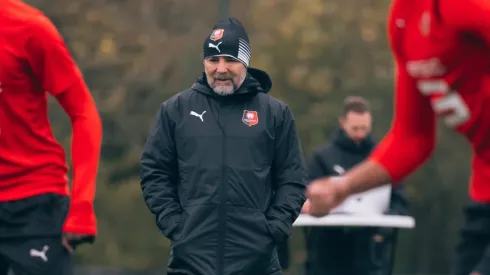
57 73
469 15
289 179
409 143
86 144
159 173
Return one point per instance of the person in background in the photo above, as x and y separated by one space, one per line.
346 251
40 221
222 169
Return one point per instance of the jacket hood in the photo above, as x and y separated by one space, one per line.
256 81
343 141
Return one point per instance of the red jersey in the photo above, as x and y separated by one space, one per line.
33 62
442 54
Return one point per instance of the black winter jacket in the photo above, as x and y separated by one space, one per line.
225 177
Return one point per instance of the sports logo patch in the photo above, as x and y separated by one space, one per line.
217 34
250 118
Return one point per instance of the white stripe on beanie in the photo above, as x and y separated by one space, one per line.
244 53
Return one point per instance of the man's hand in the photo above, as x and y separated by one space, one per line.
324 194
327 193
71 240
378 238
306 207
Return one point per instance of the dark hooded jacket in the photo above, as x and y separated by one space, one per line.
225 178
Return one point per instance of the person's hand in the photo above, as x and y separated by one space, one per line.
475 273
324 194
70 240
378 238
306 207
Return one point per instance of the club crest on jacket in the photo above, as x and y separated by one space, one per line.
250 118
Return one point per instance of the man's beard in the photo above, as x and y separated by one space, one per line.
225 89
228 88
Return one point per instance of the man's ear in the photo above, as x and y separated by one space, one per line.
341 121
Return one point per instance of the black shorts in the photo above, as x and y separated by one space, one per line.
473 249
35 256
30 236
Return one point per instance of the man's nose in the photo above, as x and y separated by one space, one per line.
222 66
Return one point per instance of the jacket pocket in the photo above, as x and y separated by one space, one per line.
195 240
379 253
177 232
249 245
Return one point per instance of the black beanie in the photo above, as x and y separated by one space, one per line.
228 38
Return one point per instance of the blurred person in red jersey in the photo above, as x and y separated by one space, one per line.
442 54
40 221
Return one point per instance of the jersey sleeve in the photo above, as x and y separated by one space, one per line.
85 152
49 58
468 15
411 138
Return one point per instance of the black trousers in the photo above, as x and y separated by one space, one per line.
346 251
473 249
30 236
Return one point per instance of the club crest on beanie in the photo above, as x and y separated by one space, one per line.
228 38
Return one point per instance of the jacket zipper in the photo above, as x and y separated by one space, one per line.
222 207
222 214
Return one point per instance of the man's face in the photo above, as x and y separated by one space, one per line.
224 74
356 125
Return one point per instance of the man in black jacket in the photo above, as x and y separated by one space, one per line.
347 251
222 169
